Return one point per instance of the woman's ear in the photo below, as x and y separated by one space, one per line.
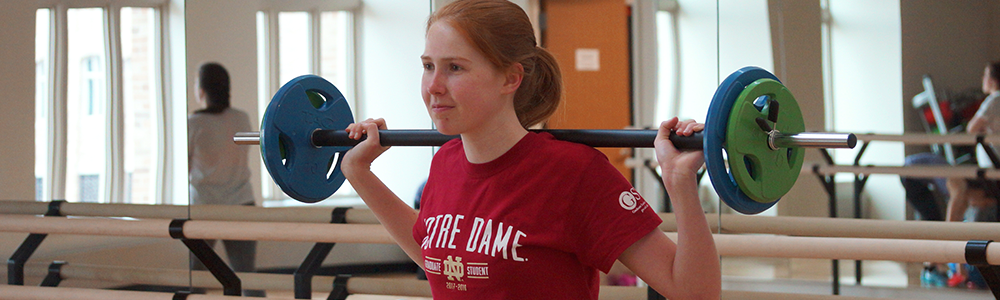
515 73
202 96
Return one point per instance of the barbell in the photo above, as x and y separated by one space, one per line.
751 158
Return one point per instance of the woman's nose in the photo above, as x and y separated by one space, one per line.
435 83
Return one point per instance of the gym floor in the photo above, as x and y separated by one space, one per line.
880 279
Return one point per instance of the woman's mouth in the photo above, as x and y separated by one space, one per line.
440 108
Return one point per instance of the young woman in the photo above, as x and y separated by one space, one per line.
218 169
974 191
510 214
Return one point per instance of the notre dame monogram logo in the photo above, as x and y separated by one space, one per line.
454 268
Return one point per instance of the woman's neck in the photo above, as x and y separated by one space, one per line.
492 141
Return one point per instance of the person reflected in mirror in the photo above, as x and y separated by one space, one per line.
975 200
978 193
218 172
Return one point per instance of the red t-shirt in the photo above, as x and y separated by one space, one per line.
536 223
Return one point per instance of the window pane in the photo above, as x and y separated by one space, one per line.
293 61
139 97
666 39
42 87
335 46
86 130
263 92
293 45
335 49
294 58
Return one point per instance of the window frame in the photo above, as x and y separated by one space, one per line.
269 71
111 101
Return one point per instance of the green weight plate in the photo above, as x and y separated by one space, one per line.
763 174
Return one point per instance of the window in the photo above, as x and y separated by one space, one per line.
100 127
91 86
667 45
286 43
293 34
139 99
89 188
43 85
699 44
335 50
858 75
87 124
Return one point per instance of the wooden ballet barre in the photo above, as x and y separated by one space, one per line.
728 245
943 171
355 285
795 226
17 292
855 228
195 229
249 281
844 248
930 139
198 212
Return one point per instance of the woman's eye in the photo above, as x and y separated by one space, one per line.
428 66
456 68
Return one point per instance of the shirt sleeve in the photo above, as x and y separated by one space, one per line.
990 110
614 215
192 129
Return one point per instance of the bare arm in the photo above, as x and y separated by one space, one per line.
395 215
690 268
977 125
958 200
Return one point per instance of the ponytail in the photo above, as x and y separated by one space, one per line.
541 89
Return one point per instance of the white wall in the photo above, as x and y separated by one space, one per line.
390 69
743 39
868 90
17 117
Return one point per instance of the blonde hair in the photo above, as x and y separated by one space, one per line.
502 32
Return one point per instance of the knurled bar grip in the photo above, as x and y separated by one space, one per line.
593 138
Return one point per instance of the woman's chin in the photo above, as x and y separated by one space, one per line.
446 128
447 131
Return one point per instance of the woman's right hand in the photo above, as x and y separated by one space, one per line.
360 158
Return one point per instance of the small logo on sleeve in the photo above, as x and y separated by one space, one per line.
631 200
628 200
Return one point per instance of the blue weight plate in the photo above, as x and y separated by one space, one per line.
715 140
303 171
